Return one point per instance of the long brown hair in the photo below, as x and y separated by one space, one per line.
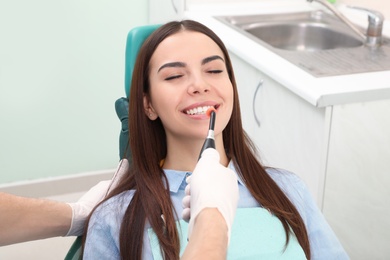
148 147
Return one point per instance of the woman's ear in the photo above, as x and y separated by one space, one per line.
149 110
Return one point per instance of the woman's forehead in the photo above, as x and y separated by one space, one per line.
185 44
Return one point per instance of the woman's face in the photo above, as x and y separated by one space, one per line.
188 75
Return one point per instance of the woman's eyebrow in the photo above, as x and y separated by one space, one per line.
211 58
182 64
172 65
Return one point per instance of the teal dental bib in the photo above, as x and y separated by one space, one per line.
256 234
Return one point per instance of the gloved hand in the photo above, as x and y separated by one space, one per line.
211 185
83 207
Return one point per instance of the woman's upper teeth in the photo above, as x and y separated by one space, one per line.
198 110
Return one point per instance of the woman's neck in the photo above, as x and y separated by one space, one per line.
183 155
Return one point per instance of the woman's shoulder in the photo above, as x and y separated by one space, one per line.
285 178
114 206
291 184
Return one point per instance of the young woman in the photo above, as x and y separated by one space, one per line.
182 69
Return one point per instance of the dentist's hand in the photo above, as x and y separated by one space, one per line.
211 185
83 207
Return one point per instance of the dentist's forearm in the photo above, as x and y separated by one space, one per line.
24 219
209 238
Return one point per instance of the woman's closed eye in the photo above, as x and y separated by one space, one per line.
215 71
173 77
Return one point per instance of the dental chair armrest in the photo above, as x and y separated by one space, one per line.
122 111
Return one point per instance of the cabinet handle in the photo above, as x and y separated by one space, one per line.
174 6
254 102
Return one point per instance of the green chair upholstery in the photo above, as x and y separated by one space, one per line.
74 252
135 39
122 108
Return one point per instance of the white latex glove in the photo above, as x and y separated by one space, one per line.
211 185
83 207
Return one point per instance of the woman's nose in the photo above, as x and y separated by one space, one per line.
198 85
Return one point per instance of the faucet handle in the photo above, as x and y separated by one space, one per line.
375 18
375 25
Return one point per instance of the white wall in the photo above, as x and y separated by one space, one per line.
382 6
61 70
379 5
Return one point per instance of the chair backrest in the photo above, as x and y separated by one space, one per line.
135 39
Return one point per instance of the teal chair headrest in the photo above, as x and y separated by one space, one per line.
135 39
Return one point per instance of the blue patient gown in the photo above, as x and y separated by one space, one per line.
256 233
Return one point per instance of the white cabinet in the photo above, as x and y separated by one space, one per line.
288 131
357 190
342 152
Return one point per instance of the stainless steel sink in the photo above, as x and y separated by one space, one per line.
305 31
303 36
316 41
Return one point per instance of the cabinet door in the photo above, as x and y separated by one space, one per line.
289 132
357 190
248 79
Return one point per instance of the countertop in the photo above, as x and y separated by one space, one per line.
320 92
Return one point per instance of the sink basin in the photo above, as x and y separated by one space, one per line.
316 41
306 31
302 36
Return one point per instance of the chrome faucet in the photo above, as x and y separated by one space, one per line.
373 37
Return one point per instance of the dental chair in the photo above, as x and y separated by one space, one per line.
135 39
